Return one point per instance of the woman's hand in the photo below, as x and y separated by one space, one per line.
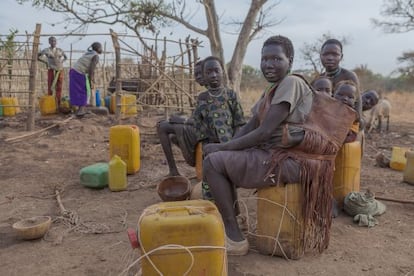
210 148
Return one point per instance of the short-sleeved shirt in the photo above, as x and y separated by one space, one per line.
216 118
55 57
298 94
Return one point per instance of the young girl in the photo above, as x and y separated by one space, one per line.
82 78
346 92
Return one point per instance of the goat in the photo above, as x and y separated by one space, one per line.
380 111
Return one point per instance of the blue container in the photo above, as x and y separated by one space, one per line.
98 97
108 101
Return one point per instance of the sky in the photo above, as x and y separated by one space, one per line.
303 22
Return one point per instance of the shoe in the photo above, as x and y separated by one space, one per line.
234 248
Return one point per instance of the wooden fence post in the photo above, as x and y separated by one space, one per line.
118 84
32 78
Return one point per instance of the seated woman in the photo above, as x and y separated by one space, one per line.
278 145
217 116
346 92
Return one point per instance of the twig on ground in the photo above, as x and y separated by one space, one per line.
13 139
394 200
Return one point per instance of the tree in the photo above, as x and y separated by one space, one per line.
8 46
152 15
407 71
399 16
310 51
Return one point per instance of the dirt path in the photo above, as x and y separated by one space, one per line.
33 168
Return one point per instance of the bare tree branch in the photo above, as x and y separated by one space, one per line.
399 16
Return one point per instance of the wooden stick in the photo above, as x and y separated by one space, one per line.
12 139
394 200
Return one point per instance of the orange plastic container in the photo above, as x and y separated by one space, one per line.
117 174
409 168
347 174
277 223
47 104
193 224
398 159
8 110
128 104
124 141
199 161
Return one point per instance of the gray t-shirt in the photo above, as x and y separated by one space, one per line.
298 94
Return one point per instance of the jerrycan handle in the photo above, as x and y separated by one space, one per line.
177 211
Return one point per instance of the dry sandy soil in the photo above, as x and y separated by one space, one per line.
31 169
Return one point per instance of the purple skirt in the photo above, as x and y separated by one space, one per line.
79 88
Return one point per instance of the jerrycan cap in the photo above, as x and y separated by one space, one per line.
133 239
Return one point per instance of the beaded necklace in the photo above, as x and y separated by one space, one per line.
221 90
334 74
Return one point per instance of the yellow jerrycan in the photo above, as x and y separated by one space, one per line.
398 159
47 104
409 168
280 221
182 236
347 174
8 110
117 174
124 141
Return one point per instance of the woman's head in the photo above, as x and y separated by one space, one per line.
323 84
346 91
212 72
277 58
97 47
331 54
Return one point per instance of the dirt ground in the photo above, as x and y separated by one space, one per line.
32 168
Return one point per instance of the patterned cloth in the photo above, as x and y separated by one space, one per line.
217 118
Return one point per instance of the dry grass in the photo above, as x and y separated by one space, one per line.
401 103
401 106
248 98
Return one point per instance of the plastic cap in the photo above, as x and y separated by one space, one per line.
133 239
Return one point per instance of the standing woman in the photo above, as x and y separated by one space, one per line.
82 78
331 55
